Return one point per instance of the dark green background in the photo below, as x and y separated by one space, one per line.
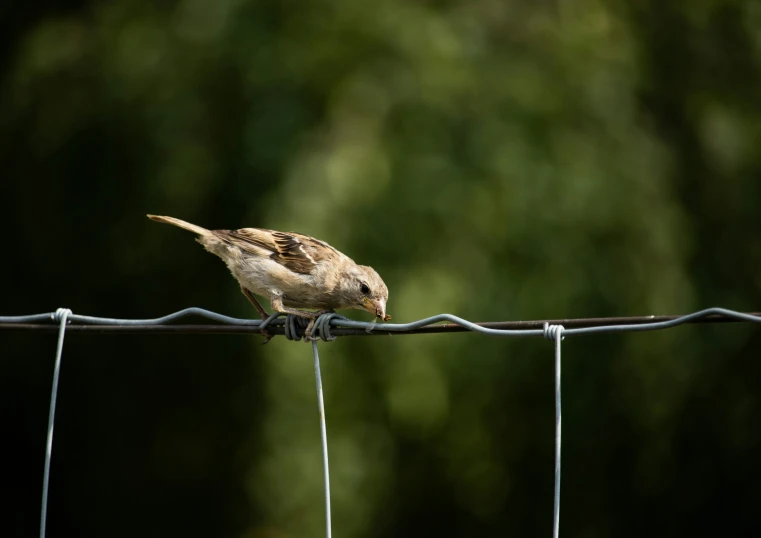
499 160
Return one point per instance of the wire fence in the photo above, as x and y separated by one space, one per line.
331 325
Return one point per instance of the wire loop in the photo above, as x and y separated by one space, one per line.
59 314
292 325
322 326
551 332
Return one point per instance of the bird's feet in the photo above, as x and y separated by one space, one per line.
295 319
263 327
267 336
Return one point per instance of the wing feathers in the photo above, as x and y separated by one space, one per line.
296 252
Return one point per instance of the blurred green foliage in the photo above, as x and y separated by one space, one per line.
493 159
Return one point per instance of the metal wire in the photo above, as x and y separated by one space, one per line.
331 325
61 315
345 327
323 436
556 511
555 332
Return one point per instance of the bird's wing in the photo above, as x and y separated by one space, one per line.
297 252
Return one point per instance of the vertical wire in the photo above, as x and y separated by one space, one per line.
556 512
323 436
63 314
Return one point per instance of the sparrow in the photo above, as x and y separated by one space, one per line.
294 271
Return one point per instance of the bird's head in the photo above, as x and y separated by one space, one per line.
363 288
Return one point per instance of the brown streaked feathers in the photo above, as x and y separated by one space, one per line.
296 252
294 271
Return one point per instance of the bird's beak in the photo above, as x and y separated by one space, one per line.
377 307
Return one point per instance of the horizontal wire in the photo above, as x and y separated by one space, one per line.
346 327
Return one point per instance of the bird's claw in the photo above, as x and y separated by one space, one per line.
308 331
267 336
308 337
263 327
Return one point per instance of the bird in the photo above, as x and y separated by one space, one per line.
294 271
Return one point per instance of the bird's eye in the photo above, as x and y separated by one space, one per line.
364 288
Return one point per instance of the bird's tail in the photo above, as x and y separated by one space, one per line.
181 224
